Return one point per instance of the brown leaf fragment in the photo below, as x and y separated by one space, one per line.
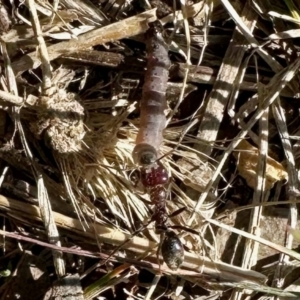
247 166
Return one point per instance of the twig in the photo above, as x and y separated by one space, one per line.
260 194
275 66
188 56
222 88
258 239
138 245
275 88
207 75
43 53
10 99
122 29
293 186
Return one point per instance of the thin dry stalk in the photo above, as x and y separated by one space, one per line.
257 239
264 204
9 99
44 202
260 195
92 139
152 287
43 53
219 97
275 88
293 187
188 56
276 67
206 75
200 265
113 32
88 12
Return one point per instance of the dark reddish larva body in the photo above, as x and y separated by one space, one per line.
153 104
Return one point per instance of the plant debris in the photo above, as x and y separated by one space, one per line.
77 222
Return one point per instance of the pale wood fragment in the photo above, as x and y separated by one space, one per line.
113 32
216 103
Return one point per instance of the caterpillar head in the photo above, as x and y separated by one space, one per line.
144 154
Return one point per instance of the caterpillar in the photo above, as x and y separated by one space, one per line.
154 175
153 103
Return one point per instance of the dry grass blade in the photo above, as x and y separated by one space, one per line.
188 55
43 52
113 32
201 265
87 10
261 194
262 241
66 163
153 287
249 36
293 186
10 99
109 280
261 191
219 97
43 198
277 85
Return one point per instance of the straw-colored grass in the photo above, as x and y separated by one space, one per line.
70 89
